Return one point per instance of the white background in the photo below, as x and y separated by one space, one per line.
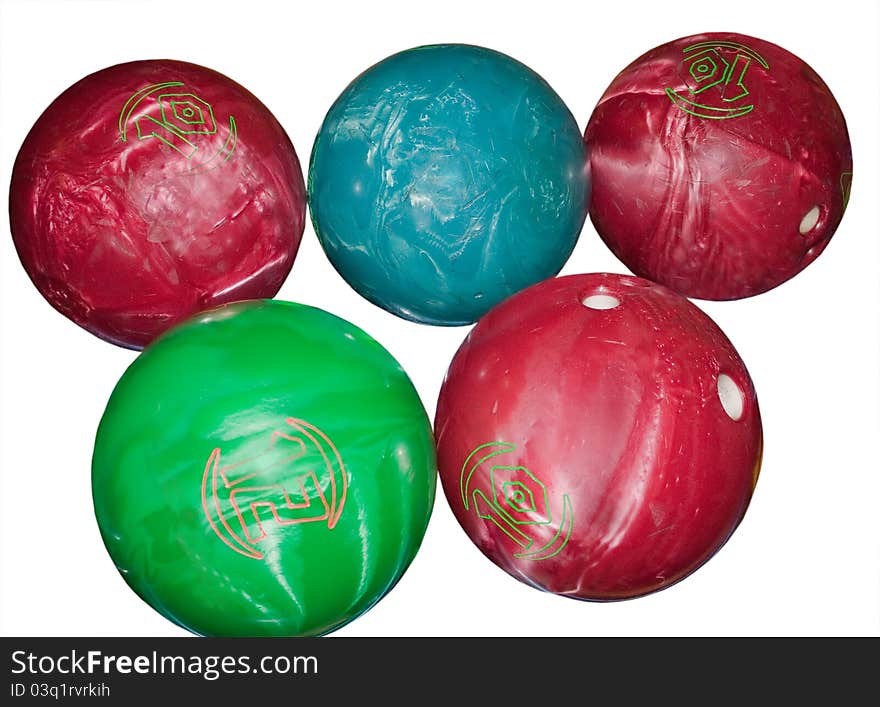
806 560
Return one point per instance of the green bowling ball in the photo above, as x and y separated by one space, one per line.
263 469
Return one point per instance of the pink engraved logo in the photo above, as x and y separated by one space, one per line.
298 477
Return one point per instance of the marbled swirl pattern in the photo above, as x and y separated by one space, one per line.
446 178
616 408
712 208
127 236
228 380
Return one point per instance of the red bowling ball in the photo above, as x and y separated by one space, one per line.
151 190
721 166
598 436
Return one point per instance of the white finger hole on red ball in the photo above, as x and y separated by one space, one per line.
600 301
731 397
809 221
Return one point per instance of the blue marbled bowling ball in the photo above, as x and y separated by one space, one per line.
446 178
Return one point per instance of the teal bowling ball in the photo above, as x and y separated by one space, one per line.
446 178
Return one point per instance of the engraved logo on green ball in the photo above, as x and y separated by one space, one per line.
297 477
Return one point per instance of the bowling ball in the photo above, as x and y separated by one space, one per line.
151 190
263 469
598 437
446 178
721 166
